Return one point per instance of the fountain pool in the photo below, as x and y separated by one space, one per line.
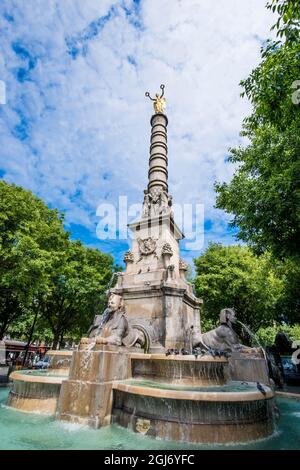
20 430
39 389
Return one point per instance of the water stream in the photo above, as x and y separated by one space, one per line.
250 333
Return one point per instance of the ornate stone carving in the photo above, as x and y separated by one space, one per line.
156 202
147 204
221 338
183 265
166 253
167 249
170 272
143 425
147 246
128 257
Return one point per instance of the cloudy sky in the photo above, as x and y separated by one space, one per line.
75 127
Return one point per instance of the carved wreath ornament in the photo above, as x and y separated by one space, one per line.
147 246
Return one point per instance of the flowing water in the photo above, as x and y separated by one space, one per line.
250 333
41 373
27 431
233 386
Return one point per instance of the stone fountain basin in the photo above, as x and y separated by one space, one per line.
40 376
232 391
176 369
36 391
233 412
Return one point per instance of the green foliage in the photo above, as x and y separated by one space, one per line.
43 271
266 335
288 11
233 276
207 324
76 290
289 302
31 236
264 194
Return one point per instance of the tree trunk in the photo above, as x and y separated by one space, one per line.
55 341
61 340
3 328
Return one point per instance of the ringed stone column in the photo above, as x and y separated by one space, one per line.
158 161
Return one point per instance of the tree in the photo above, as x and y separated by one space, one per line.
31 236
232 276
76 290
289 303
43 274
264 194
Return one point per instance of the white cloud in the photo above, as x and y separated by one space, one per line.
85 117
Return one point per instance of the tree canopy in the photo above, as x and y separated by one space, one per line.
264 194
42 270
232 276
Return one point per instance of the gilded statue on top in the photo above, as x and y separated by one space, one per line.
159 102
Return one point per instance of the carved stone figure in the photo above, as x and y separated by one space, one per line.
115 326
161 202
170 203
95 328
221 338
156 202
147 204
170 272
112 327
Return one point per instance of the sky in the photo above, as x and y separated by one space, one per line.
75 127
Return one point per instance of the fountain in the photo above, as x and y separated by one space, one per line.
145 364
38 390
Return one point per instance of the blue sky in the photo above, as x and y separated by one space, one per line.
75 128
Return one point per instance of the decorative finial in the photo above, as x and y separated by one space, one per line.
159 102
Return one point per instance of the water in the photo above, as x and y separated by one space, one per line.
41 373
226 388
27 431
250 333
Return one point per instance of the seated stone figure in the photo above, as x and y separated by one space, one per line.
222 338
95 328
112 326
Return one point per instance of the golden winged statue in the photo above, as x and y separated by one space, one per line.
159 102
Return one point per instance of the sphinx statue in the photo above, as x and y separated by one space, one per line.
222 338
112 327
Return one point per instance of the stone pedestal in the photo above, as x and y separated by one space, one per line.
155 292
86 397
